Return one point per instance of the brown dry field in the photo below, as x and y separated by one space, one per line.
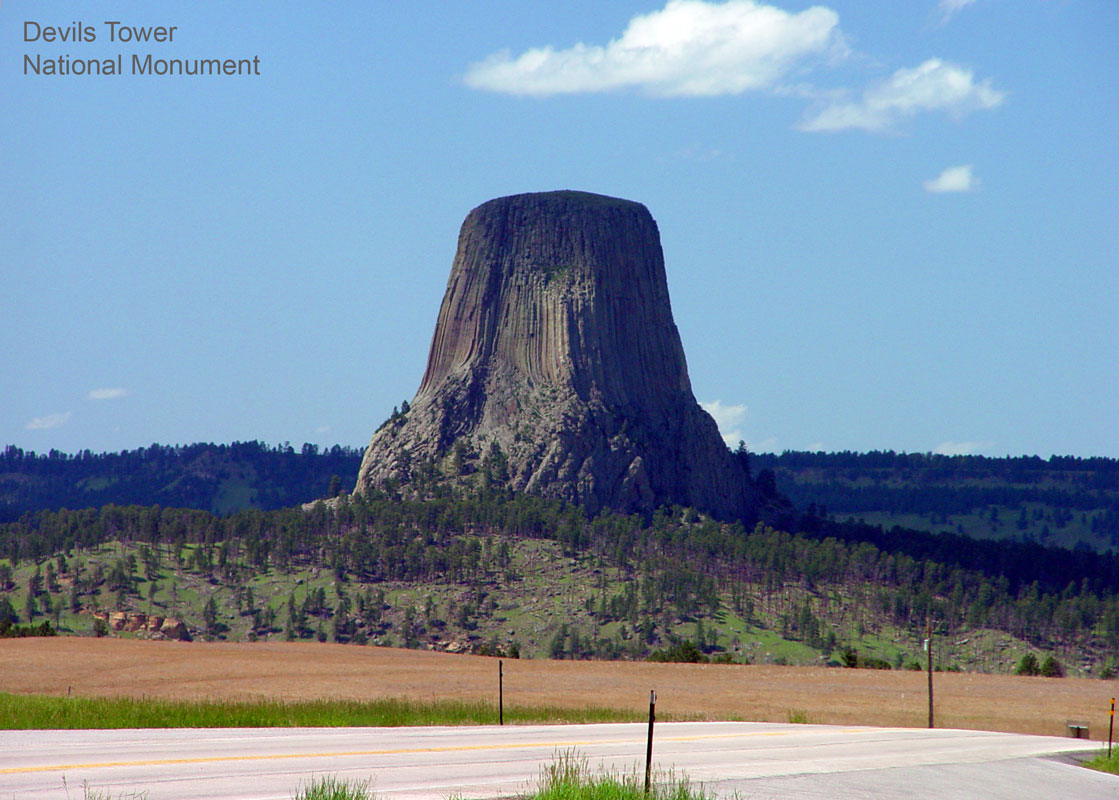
301 671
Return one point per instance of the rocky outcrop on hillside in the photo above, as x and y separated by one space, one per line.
556 368
154 626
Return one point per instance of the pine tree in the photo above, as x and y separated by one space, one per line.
1027 665
210 616
29 610
1051 668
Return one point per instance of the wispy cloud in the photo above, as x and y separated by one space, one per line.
688 48
950 8
108 394
961 448
953 179
49 421
935 85
701 154
322 429
729 418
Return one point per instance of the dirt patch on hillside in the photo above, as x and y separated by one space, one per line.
299 671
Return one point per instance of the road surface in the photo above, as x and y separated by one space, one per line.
750 760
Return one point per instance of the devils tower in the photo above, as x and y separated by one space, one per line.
556 362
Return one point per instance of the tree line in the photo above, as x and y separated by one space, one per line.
184 476
1062 499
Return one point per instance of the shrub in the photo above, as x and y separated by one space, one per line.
1027 665
870 662
851 659
685 652
1051 668
10 631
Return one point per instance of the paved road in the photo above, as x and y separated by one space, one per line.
752 760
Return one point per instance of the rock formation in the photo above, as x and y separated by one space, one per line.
556 367
150 626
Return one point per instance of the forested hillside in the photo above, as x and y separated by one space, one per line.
1063 500
1060 501
490 572
215 477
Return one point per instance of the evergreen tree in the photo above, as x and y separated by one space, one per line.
1051 668
1027 665
30 608
7 612
210 616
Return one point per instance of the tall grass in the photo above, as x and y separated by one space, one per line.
24 712
797 716
569 778
90 793
1105 764
329 787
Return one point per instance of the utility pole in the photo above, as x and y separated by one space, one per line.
928 650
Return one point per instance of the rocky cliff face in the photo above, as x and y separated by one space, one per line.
555 342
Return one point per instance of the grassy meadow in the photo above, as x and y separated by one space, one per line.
28 712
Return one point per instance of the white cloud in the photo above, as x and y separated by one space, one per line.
49 421
949 8
688 48
935 85
961 448
729 419
953 179
108 394
322 429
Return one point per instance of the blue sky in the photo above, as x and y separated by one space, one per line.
886 225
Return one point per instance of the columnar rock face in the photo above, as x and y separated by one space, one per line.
555 342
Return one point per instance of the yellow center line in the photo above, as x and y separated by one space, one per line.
156 762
